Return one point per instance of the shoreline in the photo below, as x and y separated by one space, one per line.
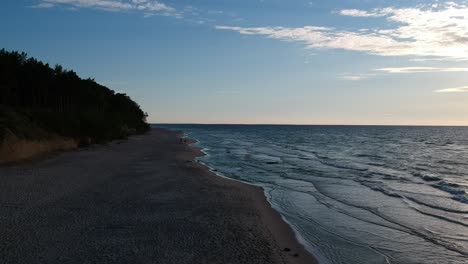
297 235
284 234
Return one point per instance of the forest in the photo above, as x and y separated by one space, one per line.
38 101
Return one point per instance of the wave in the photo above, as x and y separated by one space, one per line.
380 187
433 206
405 228
452 162
377 157
441 217
461 198
452 188
335 163
427 176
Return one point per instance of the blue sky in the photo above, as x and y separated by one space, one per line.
269 61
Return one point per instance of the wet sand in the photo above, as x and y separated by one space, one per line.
144 200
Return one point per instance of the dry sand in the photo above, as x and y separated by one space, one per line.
144 200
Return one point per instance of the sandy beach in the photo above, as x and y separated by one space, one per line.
144 200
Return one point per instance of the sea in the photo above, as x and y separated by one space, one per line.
354 194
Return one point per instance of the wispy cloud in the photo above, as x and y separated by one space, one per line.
463 89
359 13
147 7
43 5
354 77
421 70
439 31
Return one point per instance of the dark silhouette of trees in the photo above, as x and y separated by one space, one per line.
60 102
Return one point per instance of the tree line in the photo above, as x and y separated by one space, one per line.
58 101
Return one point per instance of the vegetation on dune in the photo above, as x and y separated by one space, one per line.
37 101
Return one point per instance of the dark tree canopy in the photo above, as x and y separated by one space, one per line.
37 97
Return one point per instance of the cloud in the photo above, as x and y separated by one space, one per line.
358 13
145 6
353 77
424 32
463 89
43 5
421 69
321 37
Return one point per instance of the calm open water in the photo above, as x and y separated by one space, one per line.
355 194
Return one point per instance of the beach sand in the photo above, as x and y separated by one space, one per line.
144 200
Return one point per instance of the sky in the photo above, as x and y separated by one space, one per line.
353 62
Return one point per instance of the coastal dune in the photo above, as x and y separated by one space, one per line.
14 149
144 200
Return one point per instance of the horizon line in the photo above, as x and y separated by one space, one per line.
266 124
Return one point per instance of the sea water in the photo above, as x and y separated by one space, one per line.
355 194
